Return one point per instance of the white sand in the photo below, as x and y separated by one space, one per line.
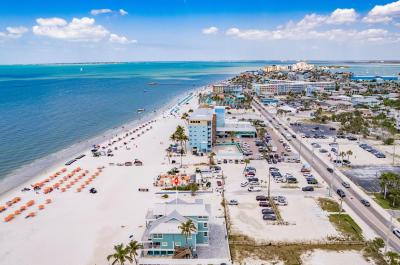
81 228
318 257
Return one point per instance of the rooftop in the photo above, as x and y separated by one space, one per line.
202 114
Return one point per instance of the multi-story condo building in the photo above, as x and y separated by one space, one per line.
202 130
227 88
163 236
282 87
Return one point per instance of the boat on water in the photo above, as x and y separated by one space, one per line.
140 110
152 83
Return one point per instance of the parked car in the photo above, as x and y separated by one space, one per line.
365 203
346 184
308 188
322 150
264 204
244 184
341 193
267 211
330 170
396 232
233 202
253 189
261 198
269 217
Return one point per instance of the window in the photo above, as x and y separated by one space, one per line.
205 234
157 236
205 225
164 244
190 237
177 244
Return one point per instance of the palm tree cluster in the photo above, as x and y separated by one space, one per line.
352 122
390 185
122 253
180 137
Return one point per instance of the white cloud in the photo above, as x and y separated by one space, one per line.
123 12
342 16
314 27
383 13
210 31
83 29
96 12
13 32
120 39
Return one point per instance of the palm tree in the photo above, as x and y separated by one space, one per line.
133 247
349 153
211 157
120 256
180 136
246 162
187 228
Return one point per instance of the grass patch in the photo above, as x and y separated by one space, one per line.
347 226
288 253
384 203
328 205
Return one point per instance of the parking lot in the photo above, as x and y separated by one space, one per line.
301 219
313 129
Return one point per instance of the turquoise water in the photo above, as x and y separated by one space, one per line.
45 109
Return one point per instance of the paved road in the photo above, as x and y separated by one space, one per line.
370 216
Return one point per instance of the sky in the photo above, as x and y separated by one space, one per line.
61 31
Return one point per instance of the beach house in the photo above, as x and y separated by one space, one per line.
163 234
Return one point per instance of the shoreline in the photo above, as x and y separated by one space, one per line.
49 163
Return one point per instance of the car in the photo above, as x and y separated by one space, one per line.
352 138
252 179
244 184
271 169
267 211
264 204
346 184
233 202
219 183
253 189
341 193
308 188
281 202
330 170
261 198
365 203
291 180
312 181
322 150
396 232
269 217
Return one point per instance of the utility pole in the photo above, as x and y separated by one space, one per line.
269 184
388 232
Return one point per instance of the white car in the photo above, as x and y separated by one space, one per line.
244 184
396 232
253 189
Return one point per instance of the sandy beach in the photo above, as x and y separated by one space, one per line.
78 227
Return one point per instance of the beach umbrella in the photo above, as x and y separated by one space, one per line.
30 203
2 208
31 214
68 186
8 218
48 201
41 207
63 189
22 208
78 190
17 212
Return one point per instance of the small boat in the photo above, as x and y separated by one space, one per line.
140 110
152 83
81 69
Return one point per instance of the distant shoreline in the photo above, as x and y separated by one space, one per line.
215 61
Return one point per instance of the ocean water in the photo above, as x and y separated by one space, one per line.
51 112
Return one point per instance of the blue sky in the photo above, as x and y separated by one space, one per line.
128 30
